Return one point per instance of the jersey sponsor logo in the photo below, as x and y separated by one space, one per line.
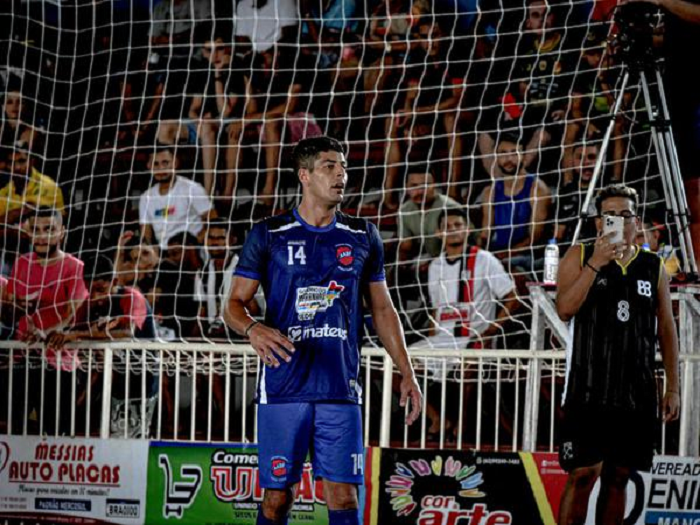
279 467
344 254
297 333
313 299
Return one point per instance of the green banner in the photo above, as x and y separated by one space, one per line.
217 485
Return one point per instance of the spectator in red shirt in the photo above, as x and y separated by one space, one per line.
46 286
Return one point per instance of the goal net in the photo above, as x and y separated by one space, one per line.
161 130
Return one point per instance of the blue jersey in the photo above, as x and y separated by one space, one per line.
313 279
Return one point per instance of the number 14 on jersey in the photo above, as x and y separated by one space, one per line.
298 255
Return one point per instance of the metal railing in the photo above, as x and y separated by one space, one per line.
481 399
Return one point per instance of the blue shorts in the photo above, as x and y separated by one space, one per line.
332 432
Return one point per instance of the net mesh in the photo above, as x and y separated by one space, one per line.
162 130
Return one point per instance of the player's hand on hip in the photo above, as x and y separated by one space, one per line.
605 251
269 344
671 406
411 390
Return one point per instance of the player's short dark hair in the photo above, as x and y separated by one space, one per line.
452 212
98 268
616 190
307 151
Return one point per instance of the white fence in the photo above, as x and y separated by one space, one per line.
482 399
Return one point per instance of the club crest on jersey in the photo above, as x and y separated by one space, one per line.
279 467
344 254
313 299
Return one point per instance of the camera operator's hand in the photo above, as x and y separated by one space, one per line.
605 251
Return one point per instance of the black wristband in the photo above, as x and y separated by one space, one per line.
250 327
592 267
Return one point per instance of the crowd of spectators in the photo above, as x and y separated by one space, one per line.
139 150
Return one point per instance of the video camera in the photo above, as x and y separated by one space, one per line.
636 24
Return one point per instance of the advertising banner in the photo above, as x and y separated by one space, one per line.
64 480
667 495
441 487
209 484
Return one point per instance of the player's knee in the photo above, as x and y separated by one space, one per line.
277 503
614 476
341 496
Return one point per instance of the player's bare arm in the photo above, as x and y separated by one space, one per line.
386 322
575 281
268 343
668 343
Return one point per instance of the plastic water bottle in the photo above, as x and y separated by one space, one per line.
551 262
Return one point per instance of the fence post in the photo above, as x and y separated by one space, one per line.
106 394
387 379
532 385
688 313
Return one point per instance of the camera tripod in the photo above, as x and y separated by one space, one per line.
640 66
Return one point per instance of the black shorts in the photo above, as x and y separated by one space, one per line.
590 435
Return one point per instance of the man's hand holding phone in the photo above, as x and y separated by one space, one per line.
605 250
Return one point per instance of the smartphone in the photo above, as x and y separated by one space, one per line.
614 225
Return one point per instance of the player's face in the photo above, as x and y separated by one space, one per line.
621 207
47 234
328 179
454 230
163 166
420 188
217 243
509 158
584 162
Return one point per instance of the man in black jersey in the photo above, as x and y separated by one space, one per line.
617 298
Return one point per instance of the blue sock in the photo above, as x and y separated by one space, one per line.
262 520
344 517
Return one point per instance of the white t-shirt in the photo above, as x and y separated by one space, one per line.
264 26
491 283
175 18
179 210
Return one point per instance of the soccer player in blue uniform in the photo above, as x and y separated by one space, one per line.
315 265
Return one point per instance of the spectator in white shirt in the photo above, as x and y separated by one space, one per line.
173 24
213 280
470 292
173 204
471 296
266 22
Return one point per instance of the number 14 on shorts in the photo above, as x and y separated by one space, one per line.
358 464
